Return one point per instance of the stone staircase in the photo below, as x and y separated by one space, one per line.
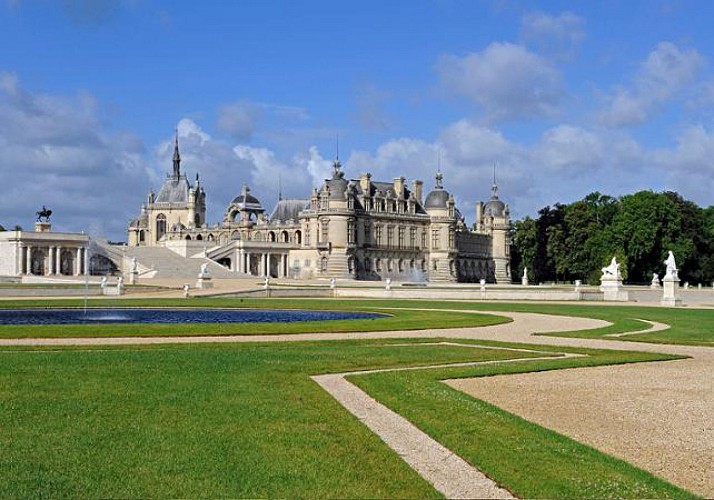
337 266
159 262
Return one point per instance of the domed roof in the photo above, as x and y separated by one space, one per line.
494 207
246 200
438 197
337 185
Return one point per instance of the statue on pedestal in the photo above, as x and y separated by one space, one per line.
671 266
612 270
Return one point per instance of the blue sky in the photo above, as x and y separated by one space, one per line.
564 97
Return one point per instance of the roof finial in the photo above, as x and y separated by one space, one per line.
439 176
177 157
494 186
280 186
337 174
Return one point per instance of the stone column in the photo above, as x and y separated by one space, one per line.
78 262
58 260
50 260
28 260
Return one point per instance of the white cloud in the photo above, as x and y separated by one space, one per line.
666 72
316 166
568 148
54 150
506 80
559 35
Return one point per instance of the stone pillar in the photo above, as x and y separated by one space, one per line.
78 262
58 260
28 260
50 260
670 295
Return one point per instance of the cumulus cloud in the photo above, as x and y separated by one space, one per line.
666 72
559 35
314 164
568 148
55 150
506 80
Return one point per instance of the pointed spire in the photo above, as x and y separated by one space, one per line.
494 186
177 157
439 175
337 166
280 186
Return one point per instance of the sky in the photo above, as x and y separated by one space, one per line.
562 98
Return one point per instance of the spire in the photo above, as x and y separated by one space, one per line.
439 175
177 157
337 166
494 186
280 186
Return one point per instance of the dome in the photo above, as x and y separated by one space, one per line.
246 200
494 208
337 188
438 198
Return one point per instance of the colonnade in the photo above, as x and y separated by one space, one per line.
53 260
261 263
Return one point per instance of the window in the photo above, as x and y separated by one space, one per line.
435 239
378 235
160 226
325 236
390 236
400 237
412 237
350 232
423 239
452 238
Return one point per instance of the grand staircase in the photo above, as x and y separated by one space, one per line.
159 262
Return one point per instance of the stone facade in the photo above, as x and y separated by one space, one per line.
350 229
43 253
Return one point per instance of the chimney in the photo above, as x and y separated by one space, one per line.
364 183
399 187
417 187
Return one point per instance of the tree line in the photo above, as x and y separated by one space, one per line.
574 241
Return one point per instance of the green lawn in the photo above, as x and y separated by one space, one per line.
245 420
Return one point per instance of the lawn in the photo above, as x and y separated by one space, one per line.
245 420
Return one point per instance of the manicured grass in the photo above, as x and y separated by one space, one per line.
531 461
241 420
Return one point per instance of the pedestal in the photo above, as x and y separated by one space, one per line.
612 289
204 282
524 281
670 295
133 277
43 227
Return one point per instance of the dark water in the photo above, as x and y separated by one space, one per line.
98 316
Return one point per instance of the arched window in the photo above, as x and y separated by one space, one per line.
271 236
160 226
298 237
142 236
199 237
188 237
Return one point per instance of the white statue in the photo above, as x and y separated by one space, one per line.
671 265
333 282
120 283
134 265
204 269
103 283
388 284
525 273
266 283
613 269
655 281
186 288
